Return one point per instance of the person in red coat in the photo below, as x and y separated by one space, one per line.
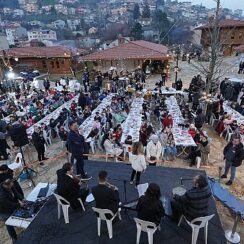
192 130
168 121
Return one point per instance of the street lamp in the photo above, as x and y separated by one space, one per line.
10 75
177 63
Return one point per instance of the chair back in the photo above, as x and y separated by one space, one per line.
61 200
144 225
19 159
202 220
101 212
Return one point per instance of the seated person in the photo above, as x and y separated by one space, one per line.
109 146
154 150
192 130
69 186
128 140
170 149
62 133
7 173
195 202
10 200
149 206
106 195
234 125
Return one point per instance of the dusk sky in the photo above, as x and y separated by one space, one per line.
232 4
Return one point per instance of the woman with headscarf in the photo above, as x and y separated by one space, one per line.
154 150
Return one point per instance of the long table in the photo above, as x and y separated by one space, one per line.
53 115
32 197
234 114
133 122
181 136
88 123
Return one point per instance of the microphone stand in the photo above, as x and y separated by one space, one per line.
124 186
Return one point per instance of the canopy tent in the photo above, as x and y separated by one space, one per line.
236 80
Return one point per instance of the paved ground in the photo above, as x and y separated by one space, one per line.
216 156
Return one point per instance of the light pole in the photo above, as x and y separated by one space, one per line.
177 63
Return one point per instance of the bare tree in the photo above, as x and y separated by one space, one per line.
212 70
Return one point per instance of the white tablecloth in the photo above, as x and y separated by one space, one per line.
132 124
88 123
234 114
53 115
181 136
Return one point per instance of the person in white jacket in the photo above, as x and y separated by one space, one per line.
154 150
138 162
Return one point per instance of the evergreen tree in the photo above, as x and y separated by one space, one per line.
146 10
136 31
136 11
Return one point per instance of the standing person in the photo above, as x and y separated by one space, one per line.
149 206
39 143
106 195
233 155
154 150
138 162
46 84
178 85
199 119
76 147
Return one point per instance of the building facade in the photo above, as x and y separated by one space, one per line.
231 35
42 35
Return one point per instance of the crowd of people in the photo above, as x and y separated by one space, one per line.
156 141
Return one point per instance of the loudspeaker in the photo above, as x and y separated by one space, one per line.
18 135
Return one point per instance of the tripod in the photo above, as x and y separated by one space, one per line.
26 169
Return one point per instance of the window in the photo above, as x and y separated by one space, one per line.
62 62
44 64
52 64
57 64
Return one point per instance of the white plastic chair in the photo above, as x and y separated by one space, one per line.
198 162
65 207
62 202
213 119
203 223
18 162
102 216
109 155
147 227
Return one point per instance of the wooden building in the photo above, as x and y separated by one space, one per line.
130 56
57 60
231 35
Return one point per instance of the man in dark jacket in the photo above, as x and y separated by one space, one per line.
76 147
10 200
233 155
7 173
39 143
69 186
195 202
106 195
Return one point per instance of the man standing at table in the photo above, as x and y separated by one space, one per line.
10 200
233 155
76 145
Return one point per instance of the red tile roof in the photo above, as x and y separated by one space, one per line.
131 50
47 52
225 23
240 48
